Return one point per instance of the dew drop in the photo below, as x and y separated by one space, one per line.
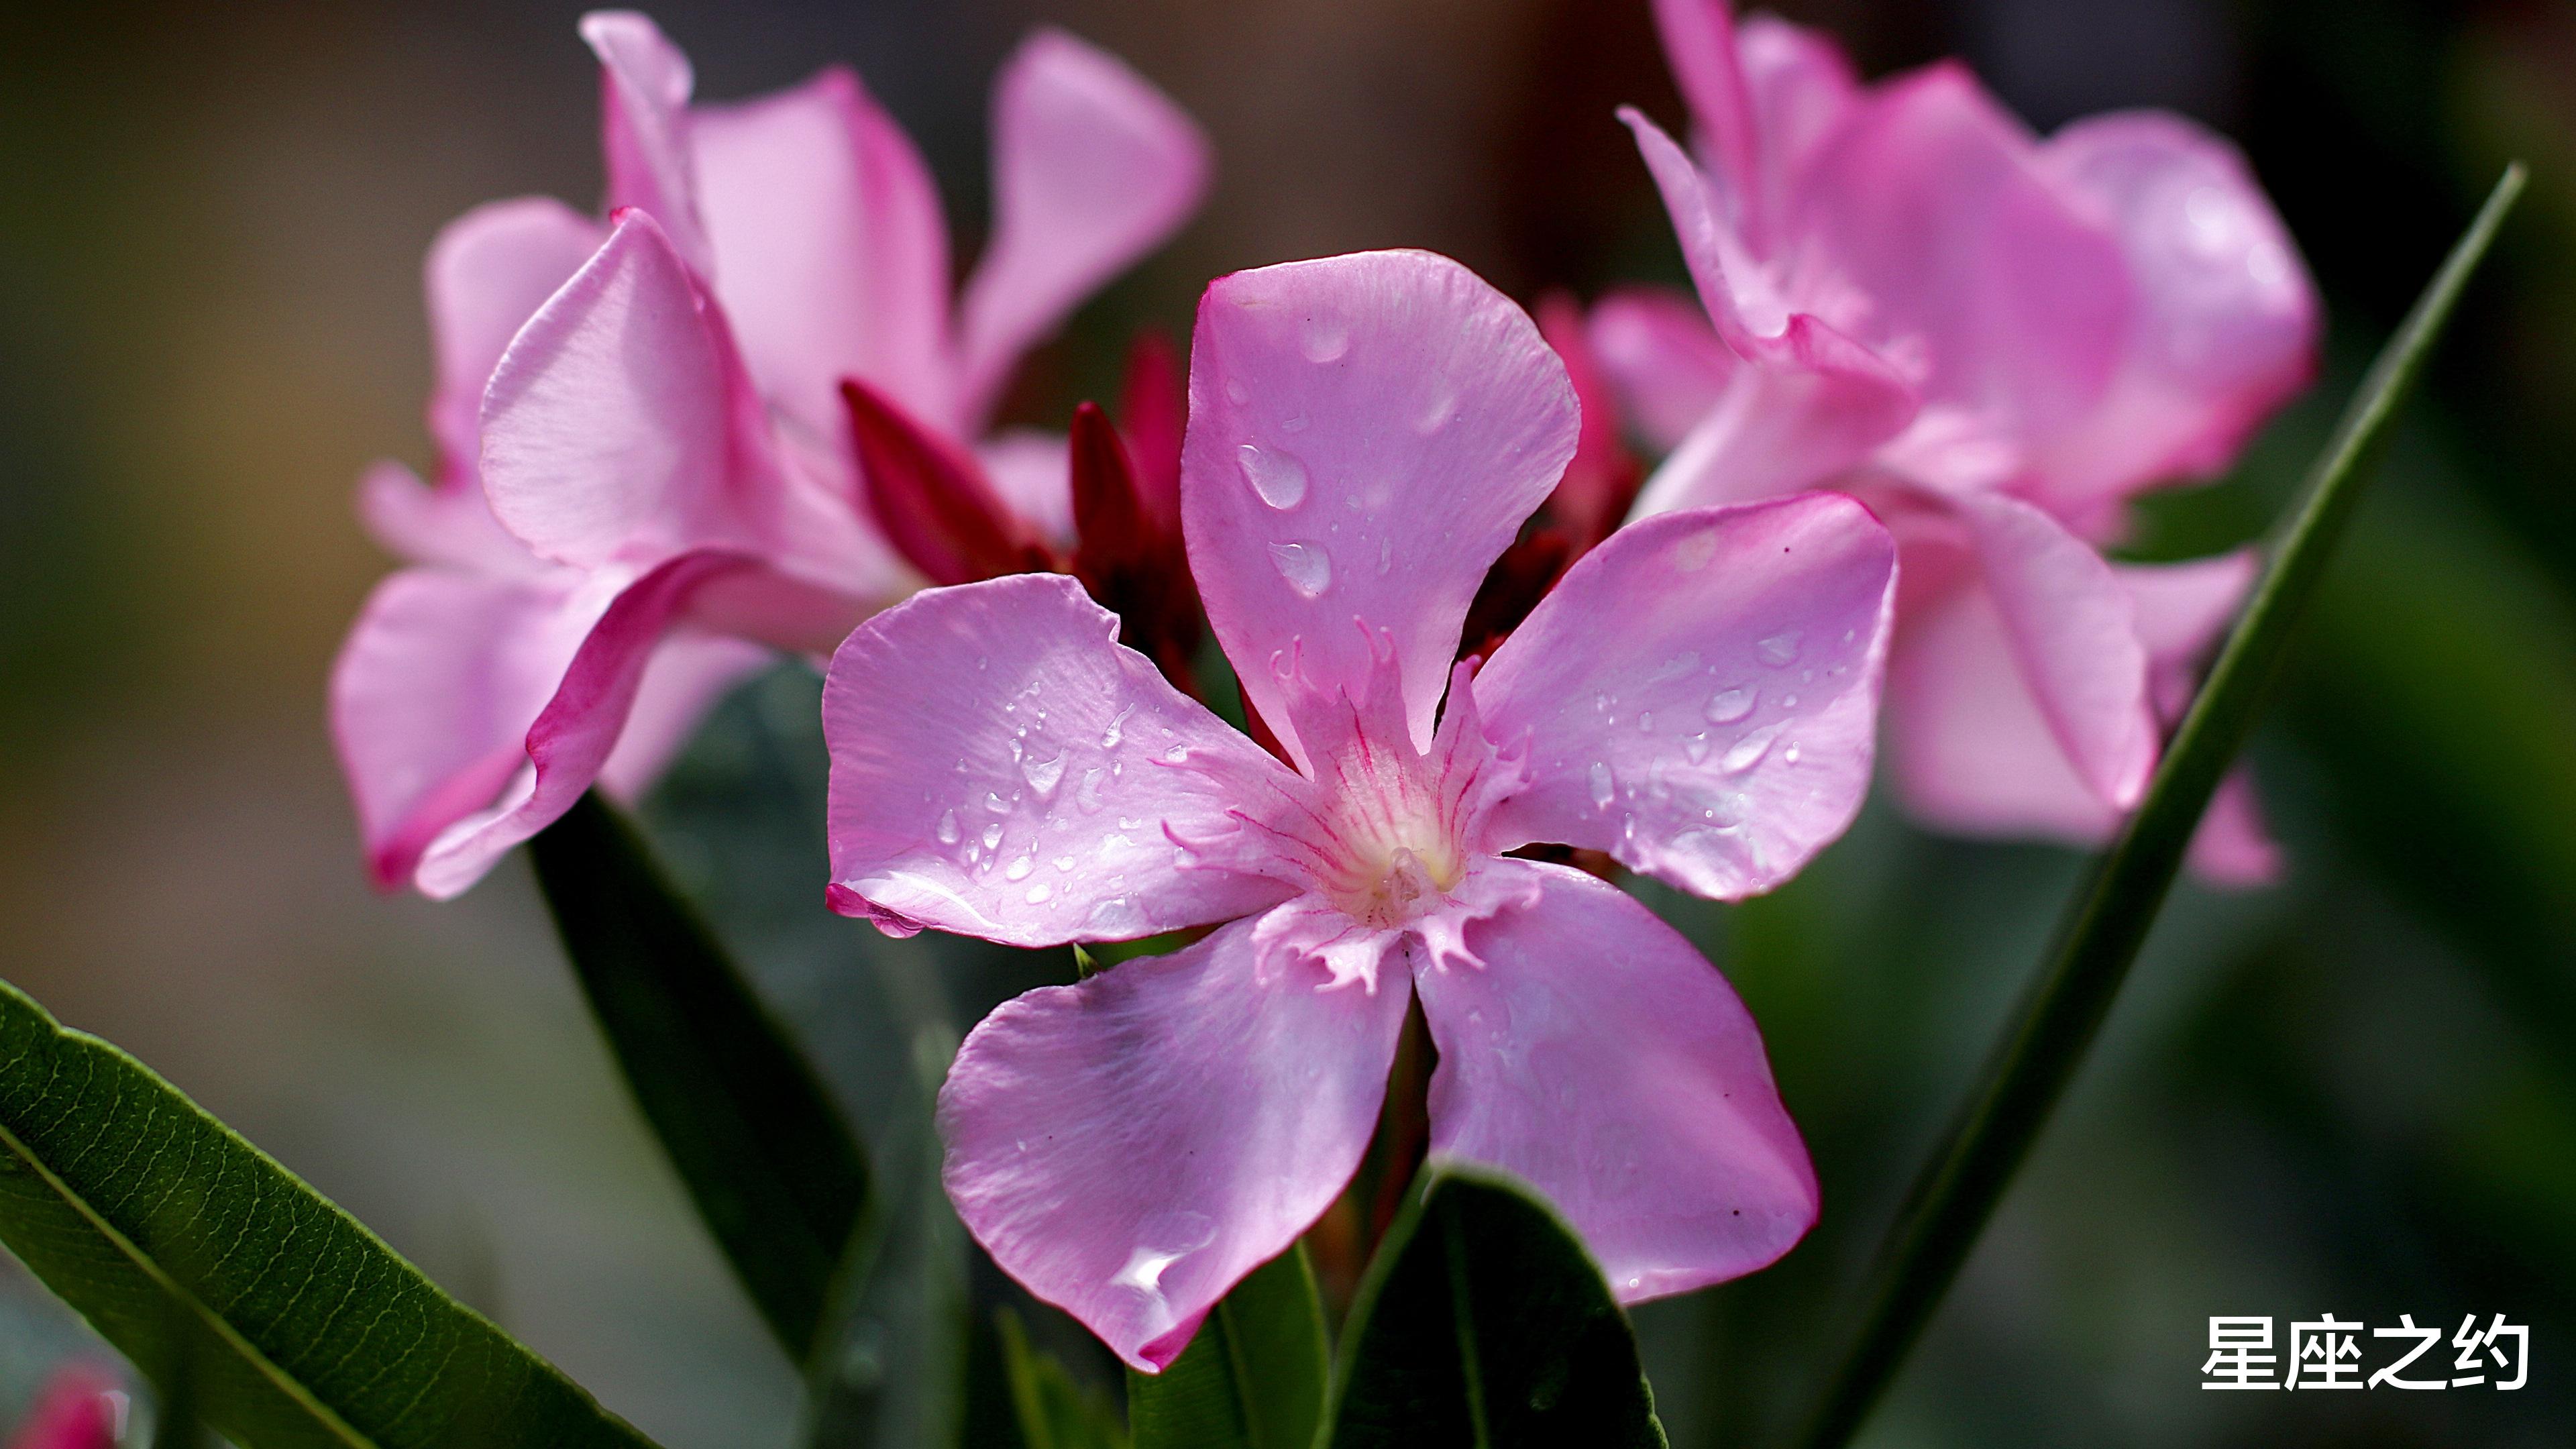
1043 775
1385 553
1041 893
983 661
1235 392
1605 786
1019 868
1696 747
992 837
1646 721
1117 730
1306 567
1675 667
1278 477
1436 413
1177 754
996 803
1295 423
1729 705
1790 755
1779 650
948 831
1066 863
1327 339
1087 794
1747 752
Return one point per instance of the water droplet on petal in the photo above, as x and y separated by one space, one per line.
1066 863
1295 423
1020 867
948 831
992 837
1306 567
1043 775
1779 650
1278 477
1041 893
996 803
1646 720
1385 553
1177 754
1729 705
1087 794
1436 412
1790 755
1326 339
1236 392
1747 752
1117 728
1605 786
1696 747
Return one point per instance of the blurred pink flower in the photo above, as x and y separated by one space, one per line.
1696 698
646 480
1996 341
80 1408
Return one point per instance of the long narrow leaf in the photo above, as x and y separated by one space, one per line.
283 1321
1254 1376
766 1156
1482 1322
1053 1411
2108 921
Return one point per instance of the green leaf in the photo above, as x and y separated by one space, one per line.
185 1246
1483 1322
1254 1376
891 1369
2055 1024
766 1156
1054 1412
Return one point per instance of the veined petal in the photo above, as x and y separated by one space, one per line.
645 82
1002 768
2224 324
831 252
1669 366
1366 435
1092 168
1932 201
608 427
1129 1147
1698 695
488 272
2073 631
574 734
432 696
1599 1057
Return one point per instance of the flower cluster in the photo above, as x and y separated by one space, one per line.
1476 644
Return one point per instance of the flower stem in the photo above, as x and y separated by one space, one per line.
2064 1008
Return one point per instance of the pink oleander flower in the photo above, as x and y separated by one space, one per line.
1996 341
646 481
1696 698
80 1408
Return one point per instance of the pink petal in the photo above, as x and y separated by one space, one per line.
1698 694
1666 360
2233 848
1813 403
2181 611
1969 747
1130 1147
487 274
2224 326
80 1408
432 696
1366 435
452 526
1028 468
1001 767
2073 630
1601 480
1800 86
1596 1055
1092 168
1934 203
685 679
607 430
1699 44
831 252
577 730
644 102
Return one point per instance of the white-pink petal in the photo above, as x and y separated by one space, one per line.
1366 435
645 82
1129 1147
487 273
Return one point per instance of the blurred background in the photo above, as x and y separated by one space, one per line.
2354 1093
